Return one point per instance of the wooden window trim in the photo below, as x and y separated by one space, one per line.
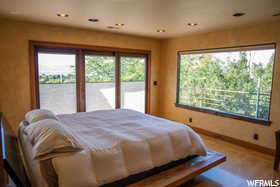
55 45
80 51
81 100
220 113
99 53
118 80
229 49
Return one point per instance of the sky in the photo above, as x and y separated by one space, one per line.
258 56
56 63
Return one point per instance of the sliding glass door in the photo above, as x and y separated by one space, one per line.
100 82
133 83
69 80
57 82
105 91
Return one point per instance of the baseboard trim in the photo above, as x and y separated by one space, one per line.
242 143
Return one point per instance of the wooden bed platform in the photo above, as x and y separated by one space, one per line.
184 172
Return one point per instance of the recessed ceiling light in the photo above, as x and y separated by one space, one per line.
238 14
278 14
93 20
112 27
119 24
161 30
62 15
192 24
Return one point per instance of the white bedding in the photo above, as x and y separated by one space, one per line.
32 167
119 143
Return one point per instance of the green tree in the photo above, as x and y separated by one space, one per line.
132 69
100 69
228 85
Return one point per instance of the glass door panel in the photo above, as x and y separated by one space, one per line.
100 82
133 83
57 82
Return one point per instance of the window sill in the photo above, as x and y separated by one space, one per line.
225 114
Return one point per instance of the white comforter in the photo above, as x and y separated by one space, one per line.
119 143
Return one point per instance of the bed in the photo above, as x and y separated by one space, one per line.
119 147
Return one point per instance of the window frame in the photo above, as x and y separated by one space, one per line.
221 113
80 51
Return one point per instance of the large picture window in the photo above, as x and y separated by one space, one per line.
233 82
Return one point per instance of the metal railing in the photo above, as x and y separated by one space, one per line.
253 104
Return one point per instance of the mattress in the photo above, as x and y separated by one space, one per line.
119 143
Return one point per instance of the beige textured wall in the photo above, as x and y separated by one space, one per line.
14 66
14 63
258 34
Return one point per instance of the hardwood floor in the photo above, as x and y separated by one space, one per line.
241 164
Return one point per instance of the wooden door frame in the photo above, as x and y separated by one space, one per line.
80 50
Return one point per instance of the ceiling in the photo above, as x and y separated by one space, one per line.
144 17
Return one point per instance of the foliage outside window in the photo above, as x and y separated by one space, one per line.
99 69
56 68
132 69
235 81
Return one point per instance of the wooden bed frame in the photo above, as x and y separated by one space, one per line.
172 174
10 157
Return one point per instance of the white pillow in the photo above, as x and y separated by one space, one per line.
39 114
50 139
